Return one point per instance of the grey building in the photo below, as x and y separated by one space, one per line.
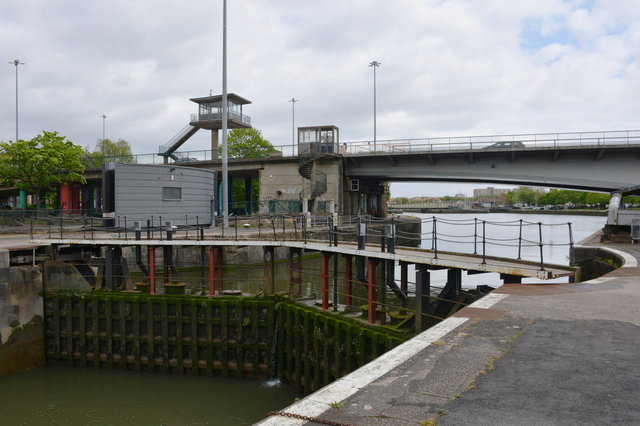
139 191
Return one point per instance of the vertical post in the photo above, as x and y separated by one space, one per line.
108 268
248 195
435 238
390 231
423 297
571 254
475 235
335 282
269 270
520 241
212 271
404 277
362 235
484 242
23 199
348 279
225 112
220 268
295 272
151 256
540 244
324 274
372 306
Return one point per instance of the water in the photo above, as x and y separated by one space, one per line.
61 395
503 230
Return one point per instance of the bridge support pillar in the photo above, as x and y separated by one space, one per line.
212 271
219 269
348 279
295 272
325 280
511 279
151 256
269 270
423 298
371 293
404 279
454 281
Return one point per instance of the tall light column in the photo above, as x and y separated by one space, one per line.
293 125
374 65
104 118
16 62
225 161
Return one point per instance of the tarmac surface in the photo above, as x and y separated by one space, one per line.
544 354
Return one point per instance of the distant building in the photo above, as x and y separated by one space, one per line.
490 194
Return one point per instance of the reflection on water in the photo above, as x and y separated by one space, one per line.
60 395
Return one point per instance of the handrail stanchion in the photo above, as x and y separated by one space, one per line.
186 226
520 241
149 229
92 237
434 241
540 244
284 229
571 255
484 242
475 235
235 223
383 239
273 226
31 227
61 224
126 235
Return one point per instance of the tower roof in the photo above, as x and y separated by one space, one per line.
231 97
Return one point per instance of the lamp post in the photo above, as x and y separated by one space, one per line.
293 125
374 65
23 193
225 160
16 62
104 118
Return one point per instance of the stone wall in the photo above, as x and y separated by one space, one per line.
21 313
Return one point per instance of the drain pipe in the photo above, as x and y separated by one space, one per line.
614 207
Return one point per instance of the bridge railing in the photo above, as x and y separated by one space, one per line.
420 145
519 239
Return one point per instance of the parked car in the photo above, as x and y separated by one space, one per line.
506 145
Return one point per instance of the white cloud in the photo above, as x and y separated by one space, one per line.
449 67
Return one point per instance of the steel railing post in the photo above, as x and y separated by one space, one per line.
484 242
540 244
520 241
475 235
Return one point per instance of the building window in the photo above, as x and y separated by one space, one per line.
169 193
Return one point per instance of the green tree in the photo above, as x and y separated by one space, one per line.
109 151
41 163
247 143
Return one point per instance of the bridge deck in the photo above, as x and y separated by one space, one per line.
470 262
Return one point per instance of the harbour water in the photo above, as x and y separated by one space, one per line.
59 395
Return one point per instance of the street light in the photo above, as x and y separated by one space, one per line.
104 117
16 62
374 65
293 126
225 160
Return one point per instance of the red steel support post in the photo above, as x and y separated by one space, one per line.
325 280
371 295
348 281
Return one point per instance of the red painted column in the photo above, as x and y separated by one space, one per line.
65 198
403 277
371 294
151 254
325 280
219 268
212 272
348 282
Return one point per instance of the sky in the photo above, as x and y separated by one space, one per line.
449 68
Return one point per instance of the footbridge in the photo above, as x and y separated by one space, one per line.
369 249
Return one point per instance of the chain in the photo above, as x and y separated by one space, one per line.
308 418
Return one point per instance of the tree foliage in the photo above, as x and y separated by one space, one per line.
41 163
109 151
247 143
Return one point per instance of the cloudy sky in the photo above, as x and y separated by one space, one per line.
449 67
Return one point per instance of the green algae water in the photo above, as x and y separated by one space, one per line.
60 395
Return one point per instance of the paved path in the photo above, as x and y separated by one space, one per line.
524 355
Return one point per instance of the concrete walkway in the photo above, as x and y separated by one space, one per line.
524 355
